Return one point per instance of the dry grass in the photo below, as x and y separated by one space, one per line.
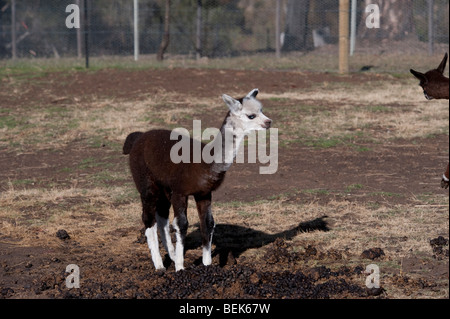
386 111
355 226
53 127
36 212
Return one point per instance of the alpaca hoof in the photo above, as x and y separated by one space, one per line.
207 261
161 269
178 268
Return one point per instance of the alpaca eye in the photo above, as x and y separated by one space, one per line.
251 117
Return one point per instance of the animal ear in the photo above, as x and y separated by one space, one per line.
441 66
233 104
253 93
419 75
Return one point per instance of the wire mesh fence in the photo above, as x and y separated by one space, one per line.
218 28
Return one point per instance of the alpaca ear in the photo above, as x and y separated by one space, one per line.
441 67
234 105
253 93
420 76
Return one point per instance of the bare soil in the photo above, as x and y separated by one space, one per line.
394 173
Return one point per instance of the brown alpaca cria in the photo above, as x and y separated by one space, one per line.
436 86
163 182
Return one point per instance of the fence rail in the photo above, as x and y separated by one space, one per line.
217 28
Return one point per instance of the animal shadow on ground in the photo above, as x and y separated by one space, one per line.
232 240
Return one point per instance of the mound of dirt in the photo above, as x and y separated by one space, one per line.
62 234
278 253
438 245
372 253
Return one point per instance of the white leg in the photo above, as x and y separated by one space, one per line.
163 225
207 255
179 250
207 252
153 245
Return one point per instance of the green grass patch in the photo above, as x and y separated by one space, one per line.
353 187
316 191
8 122
385 194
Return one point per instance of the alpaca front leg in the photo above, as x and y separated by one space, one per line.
153 245
206 259
180 224
207 235
207 243
206 226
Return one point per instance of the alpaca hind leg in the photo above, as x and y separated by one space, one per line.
163 225
180 224
162 218
153 245
208 240
148 217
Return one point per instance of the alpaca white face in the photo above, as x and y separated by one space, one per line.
247 113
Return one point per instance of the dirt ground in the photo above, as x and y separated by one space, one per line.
247 262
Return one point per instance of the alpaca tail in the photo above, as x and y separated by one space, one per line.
129 142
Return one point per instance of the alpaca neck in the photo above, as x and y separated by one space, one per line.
442 91
230 139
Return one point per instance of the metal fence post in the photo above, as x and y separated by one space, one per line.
278 29
353 28
343 35
430 27
136 29
86 33
79 41
13 30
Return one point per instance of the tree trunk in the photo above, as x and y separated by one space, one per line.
296 26
396 21
166 36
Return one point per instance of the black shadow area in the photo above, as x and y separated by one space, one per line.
234 239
